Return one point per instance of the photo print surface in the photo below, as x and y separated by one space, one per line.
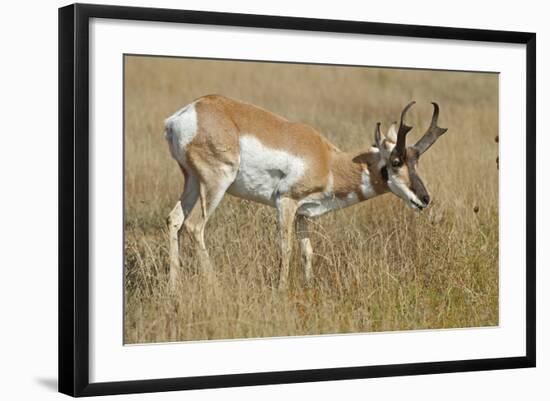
277 199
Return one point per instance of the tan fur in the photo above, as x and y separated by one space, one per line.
273 131
212 162
403 173
223 120
369 160
346 174
409 166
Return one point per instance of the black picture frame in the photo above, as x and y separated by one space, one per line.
74 198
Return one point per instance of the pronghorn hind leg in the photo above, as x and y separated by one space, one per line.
287 212
195 224
175 221
213 183
303 234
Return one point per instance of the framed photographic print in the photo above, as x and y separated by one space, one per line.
250 199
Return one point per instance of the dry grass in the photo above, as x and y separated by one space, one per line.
379 266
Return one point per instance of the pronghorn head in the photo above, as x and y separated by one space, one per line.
399 161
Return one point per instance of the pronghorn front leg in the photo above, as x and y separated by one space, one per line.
287 213
302 232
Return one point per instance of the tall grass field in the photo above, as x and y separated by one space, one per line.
378 265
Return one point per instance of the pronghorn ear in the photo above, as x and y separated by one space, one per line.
392 133
381 142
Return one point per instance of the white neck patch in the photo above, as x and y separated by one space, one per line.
314 206
366 187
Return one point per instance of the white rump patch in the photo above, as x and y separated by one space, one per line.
180 129
265 173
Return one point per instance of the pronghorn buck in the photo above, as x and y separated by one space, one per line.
227 146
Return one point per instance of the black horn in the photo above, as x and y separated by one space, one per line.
402 132
432 134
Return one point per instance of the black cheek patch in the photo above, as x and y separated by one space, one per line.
384 173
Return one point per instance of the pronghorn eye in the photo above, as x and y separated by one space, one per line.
396 163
